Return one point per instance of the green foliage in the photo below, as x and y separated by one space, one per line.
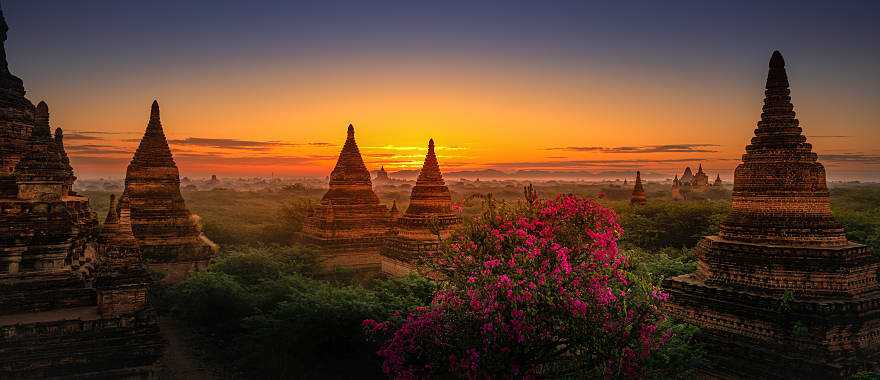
269 317
681 355
661 224
657 266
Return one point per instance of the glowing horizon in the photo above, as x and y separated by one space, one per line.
549 95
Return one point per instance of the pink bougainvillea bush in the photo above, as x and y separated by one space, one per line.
534 291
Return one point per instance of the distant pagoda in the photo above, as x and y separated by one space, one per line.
638 195
700 183
350 224
676 189
428 220
168 234
687 178
718 181
55 322
780 292
382 175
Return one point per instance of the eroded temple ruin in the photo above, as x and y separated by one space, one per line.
70 304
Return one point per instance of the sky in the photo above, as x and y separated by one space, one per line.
259 88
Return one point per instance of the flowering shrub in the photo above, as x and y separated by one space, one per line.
538 291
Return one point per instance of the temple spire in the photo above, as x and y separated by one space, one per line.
4 28
154 111
431 168
112 216
41 129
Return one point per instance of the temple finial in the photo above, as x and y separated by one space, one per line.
154 110
350 130
776 60
41 122
431 145
42 109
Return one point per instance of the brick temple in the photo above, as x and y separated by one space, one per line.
638 195
169 236
66 310
350 224
780 292
428 220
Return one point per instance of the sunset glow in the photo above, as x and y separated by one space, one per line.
272 92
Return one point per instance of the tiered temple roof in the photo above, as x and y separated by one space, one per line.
350 224
428 219
701 180
687 177
780 292
53 323
638 195
166 230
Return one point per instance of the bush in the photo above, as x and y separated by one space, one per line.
661 224
268 317
535 291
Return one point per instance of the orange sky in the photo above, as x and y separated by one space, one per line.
290 119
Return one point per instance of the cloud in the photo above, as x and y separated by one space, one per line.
269 160
89 149
80 136
100 132
671 148
829 137
421 148
241 144
859 158
573 164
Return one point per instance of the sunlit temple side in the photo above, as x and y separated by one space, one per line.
780 292
429 219
169 236
350 224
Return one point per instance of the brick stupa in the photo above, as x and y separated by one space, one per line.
53 321
428 220
169 236
780 292
350 224
700 183
638 195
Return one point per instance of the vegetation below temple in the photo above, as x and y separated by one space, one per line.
266 313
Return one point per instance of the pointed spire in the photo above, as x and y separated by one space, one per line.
153 150
638 193
4 28
350 168
112 216
41 123
776 60
154 111
431 168
8 81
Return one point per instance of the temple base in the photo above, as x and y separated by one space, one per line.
751 335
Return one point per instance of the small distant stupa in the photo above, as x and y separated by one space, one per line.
382 175
638 194
700 183
676 189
